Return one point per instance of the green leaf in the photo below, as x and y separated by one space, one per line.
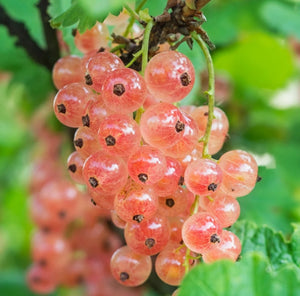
29 15
221 22
271 244
282 17
257 60
251 276
86 13
35 79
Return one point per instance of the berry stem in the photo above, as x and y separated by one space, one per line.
210 93
145 47
194 210
132 13
132 19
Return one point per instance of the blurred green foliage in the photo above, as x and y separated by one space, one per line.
254 52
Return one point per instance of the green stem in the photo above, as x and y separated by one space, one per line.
210 93
118 47
145 47
136 56
131 22
133 14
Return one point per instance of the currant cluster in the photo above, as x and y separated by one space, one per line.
147 160
73 241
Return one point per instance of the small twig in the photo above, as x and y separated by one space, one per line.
210 93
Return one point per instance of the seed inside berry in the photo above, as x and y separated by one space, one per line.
185 79
215 238
124 276
93 181
138 218
72 168
205 114
36 279
88 79
143 177
150 242
212 187
170 202
62 214
181 181
85 120
42 262
119 89
110 140
179 127
93 202
78 143
61 108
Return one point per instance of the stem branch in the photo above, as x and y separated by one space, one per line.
210 93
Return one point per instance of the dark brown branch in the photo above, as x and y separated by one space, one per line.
49 33
45 57
24 39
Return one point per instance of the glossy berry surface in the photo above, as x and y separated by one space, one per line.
203 176
130 268
201 232
170 76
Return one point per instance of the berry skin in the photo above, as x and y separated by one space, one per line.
70 103
148 237
65 71
119 135
239 172
104 174
158 125
130 268
124 90
169 264
170 76
228 248
203 176
224 207
92 39
147 165
99 65
135 203
201 232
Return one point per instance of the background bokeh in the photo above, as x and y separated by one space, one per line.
257 61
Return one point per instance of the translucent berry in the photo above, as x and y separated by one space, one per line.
201 232
136 203
228 248
92 39
146 165
169 264
239 172
203 176
119 135
104 174
67 70
130 268
162 125
170 76
100 65
148 237
70 103
124 90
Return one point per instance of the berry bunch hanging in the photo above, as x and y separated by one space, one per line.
142 157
